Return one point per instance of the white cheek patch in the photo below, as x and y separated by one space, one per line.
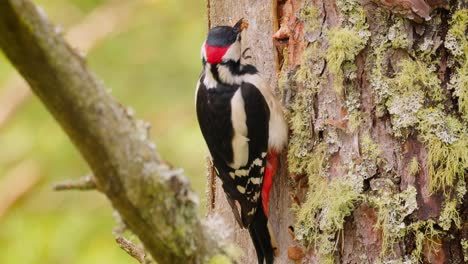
240 145
233 53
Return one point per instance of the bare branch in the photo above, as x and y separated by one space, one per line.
150 197
83 184
133 250
120 228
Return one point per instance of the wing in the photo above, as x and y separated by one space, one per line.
258 115
244 183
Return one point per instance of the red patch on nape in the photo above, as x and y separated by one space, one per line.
215 54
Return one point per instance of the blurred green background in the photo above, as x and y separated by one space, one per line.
151 63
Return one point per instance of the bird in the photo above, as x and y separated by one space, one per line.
242 123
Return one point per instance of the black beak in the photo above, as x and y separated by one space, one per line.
241 25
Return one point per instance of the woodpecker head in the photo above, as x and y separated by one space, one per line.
223 43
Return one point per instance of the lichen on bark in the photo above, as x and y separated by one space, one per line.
345 42
457 44
394 138
393 208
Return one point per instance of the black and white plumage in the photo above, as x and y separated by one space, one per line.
243 126
241 170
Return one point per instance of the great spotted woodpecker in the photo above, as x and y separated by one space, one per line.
243 126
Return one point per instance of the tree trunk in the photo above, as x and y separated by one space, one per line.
376 97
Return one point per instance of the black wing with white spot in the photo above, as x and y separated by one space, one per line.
243 184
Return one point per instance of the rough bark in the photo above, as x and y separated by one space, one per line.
155 201
376 97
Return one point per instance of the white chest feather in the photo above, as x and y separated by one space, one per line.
240 145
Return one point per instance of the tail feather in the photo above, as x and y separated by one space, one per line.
257 244
262 238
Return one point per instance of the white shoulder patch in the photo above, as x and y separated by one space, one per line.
233 53
278 129
240 145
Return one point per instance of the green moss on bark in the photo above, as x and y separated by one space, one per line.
449 215
408 92
424 233
457 43
327 205
464 245
301 141
413 169
392 210
305 83
344 46
345 43
328 202
408 84
447 162
309 14
369 158
398 34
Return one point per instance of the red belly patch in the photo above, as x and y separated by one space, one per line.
270 171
